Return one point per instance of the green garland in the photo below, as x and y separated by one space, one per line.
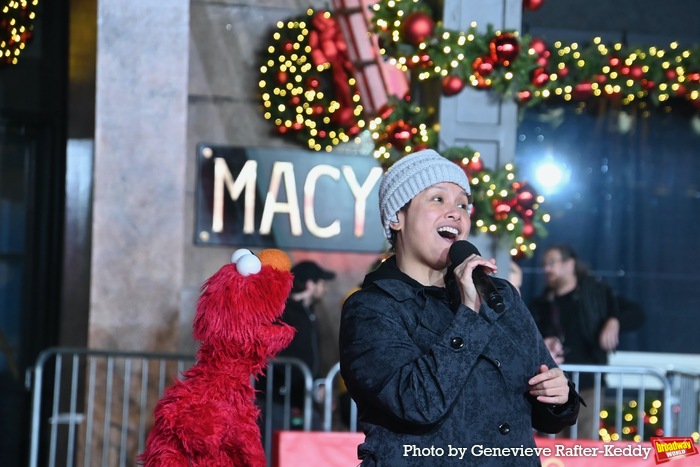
300 95
402 127
526 69
503 207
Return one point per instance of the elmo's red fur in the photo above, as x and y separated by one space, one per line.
209 419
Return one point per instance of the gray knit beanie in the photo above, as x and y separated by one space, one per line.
409 176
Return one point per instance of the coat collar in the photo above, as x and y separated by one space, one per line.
400 285
403 287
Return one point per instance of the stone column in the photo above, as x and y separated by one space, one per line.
139 173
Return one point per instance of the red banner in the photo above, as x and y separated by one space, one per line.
339 449
322 448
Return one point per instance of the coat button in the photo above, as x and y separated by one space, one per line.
457 343
504 428
498 363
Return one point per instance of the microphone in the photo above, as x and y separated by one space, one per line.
461 250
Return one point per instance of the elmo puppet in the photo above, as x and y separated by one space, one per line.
209 418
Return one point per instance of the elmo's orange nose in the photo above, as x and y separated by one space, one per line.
278 259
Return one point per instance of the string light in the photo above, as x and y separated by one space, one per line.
297 98
567 65
16 29
294 87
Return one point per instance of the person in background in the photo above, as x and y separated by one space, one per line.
426 372
577 315
308 288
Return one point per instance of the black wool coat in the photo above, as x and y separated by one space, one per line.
437 387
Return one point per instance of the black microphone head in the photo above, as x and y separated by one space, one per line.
461 250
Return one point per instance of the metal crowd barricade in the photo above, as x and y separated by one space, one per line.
95 407
685 386
276 416
332 393
614 387
627 383
101 404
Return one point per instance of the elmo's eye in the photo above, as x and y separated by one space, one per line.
248 264
238 253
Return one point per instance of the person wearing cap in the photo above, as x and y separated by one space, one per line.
437 384
308 288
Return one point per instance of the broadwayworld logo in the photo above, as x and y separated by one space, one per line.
667 449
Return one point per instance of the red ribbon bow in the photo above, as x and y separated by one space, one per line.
328 46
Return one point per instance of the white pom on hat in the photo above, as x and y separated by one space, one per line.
409 176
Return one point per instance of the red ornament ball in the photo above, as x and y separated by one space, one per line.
528 230
539 77
524 96
417 27
353 130
582 91
385 110
538 45
452 85
483 65
420 61
312 82
473 165
281 77
400 133
636 72
504 48
532 4
526 200
501 210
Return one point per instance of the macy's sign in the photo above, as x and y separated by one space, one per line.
286 198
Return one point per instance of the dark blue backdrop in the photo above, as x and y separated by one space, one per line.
630 208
